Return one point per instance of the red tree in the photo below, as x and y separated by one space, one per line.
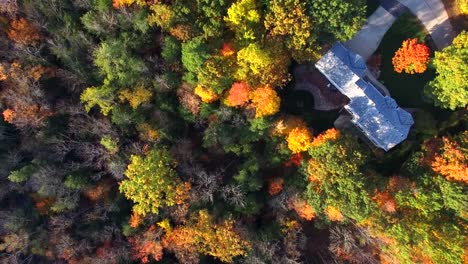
412 57
238 94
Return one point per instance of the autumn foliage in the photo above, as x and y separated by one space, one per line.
238 95
227 50
451 161
385 201
285 124
123 3
334 214
136 97
299 139
135 220
303 209
205 94
265 100
152 182
23 32
8 115
275 186
295 160
205 236
3 74
147 246
188 99
412 57
330 134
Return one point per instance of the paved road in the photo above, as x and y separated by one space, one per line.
368 39
434 17
431 13
394 7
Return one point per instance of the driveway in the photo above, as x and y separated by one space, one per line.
435 19
368 39
431 13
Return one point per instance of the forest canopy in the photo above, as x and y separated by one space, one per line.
135 131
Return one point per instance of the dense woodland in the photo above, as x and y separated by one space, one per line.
138 131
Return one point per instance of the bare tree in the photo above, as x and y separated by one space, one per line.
233 195
353 244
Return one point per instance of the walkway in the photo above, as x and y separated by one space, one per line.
431 13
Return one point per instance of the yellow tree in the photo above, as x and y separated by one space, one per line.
265 100
299 139
136 97
123 3
206 95
202 234
152 182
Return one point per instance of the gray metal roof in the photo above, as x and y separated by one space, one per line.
376 114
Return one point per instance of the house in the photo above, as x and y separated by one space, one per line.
373 112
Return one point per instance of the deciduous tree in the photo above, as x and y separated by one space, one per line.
412 57
139 95
202 234
263 64
123 3
265 100
336 19
244 18
23 32
206 95
147 245
451 158
337 179
238 95
152 182
290 20
299 139
450 89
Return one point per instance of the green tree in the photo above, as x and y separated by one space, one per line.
431 226
76 181
290 19
110 144
263 64
194 54
337 178
22 174
450 87
171 50
337 19
115 61
216 74
209 17
152 182
102 96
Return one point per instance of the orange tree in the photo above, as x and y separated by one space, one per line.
412 57
203 235
447 156
265 100
299 139
23 32
238 95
